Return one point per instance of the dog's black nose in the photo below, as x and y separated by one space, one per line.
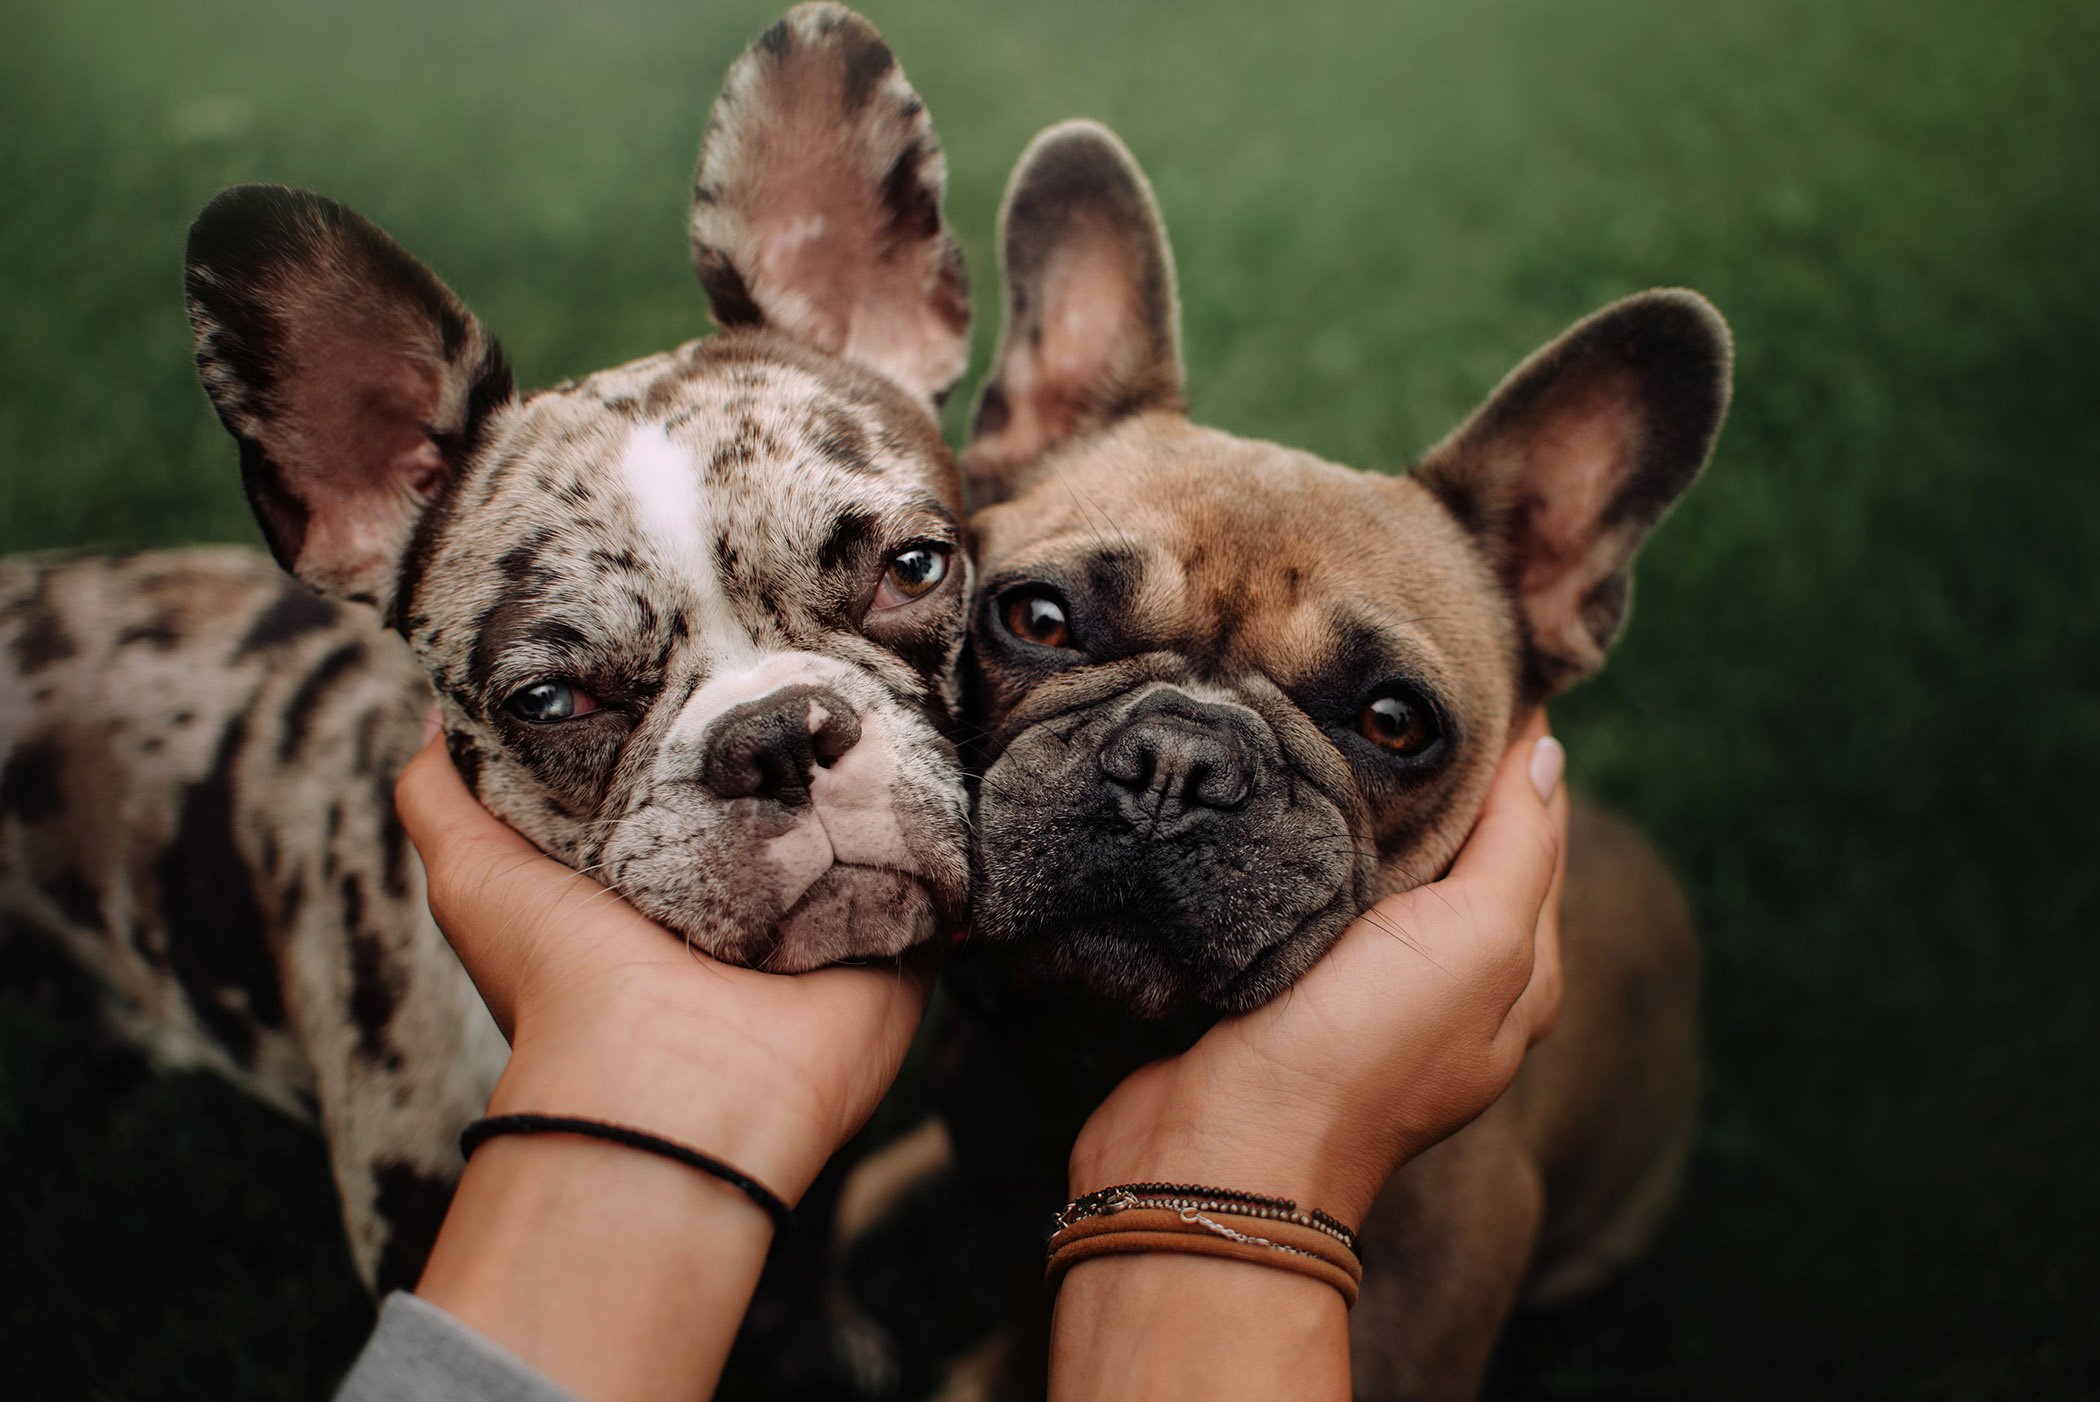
770 747
1176 758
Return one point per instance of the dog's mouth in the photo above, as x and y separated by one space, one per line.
849 913
857 854
1163 849
1157 967
856 913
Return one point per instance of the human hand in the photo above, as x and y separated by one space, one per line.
612 1016
1414 1023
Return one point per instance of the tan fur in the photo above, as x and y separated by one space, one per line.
1266 595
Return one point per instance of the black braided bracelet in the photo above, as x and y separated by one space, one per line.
481 1131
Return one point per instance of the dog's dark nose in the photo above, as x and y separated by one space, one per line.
1177 758
770 747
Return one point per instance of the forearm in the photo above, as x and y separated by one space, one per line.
1167 1326
615 1273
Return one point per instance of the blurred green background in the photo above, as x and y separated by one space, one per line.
1859 705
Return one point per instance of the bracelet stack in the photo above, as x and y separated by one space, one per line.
1199 1221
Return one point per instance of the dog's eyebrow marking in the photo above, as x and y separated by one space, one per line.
1362 652
1112 577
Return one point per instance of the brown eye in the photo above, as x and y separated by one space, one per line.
914 572
1039 619
1398 723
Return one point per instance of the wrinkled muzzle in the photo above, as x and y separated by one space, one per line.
796 816
1160 844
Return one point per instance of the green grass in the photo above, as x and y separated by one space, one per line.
1859 705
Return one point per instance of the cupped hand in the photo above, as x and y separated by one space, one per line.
612 1016
1411 1025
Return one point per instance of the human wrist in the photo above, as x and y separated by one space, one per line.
1168 1326
615 1272
742 1116
1305 1152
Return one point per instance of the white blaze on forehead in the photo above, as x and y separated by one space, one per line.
663 482
662 477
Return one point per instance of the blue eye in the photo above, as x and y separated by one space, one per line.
544 703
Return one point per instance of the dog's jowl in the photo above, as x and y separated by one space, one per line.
692 624
1232 694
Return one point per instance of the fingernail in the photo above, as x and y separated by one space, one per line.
1547 761
430 725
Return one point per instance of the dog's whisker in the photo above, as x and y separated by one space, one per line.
1379 921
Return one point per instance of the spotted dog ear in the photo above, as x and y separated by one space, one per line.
1093 328
354 381
1576 457
817 204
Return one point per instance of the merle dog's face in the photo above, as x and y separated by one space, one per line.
694 621
1232 694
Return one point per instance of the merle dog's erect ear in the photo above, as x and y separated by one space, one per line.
1575 458
1092 331
817 204
354 381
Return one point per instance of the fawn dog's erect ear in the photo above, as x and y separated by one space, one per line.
354 381
1092 332
817 204
1575 458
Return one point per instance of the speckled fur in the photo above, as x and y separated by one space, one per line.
196 786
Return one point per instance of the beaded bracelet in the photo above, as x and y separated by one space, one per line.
1178 1196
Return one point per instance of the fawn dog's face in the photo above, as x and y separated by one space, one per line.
694 621
1232 694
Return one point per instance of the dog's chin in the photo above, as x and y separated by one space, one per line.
849 914
855 913
1126 958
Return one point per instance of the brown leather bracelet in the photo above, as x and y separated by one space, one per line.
1281 1245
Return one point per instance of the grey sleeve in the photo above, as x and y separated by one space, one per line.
418 1351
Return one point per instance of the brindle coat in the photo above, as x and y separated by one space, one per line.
693 625
1231 694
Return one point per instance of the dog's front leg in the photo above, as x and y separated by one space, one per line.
1448 1243
404 1055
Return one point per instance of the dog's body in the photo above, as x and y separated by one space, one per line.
197 811
692 625
1232 694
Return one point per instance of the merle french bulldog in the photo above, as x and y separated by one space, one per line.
692 622
1232 694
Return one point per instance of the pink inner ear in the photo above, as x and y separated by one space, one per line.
1094 335
817 202
1574 464
807 279
362 399
1090 339
825 273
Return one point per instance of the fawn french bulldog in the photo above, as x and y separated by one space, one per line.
1232 694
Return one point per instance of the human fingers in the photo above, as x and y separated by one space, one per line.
871 1014
1538 1007
1505 871
493 893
